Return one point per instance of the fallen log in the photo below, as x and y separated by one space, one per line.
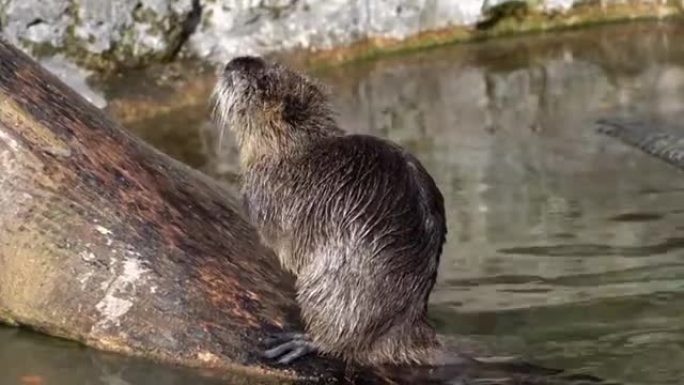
653 138
106 241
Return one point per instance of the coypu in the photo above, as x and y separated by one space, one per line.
357 219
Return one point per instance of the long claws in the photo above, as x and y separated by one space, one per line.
281 338
291 346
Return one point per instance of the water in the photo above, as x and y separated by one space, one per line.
564 246
31 359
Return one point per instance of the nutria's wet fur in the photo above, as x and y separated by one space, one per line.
355 218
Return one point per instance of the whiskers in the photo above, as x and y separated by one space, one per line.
225 98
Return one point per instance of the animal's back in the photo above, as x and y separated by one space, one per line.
361 224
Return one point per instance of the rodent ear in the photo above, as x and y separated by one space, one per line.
293 110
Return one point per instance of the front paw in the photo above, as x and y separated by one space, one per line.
289 347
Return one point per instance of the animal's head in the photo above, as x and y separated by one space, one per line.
270 108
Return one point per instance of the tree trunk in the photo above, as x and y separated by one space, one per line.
106 241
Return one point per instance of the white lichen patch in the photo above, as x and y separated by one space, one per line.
106 232
9 141
207 357
113 308
12 202
121 290
103 230
84 278
8 158
88 256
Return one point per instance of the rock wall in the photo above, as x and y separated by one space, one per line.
227 28
101 34
98 33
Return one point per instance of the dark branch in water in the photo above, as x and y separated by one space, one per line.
653 138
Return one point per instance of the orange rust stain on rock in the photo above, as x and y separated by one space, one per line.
32 379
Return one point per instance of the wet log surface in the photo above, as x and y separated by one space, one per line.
106 241
653 138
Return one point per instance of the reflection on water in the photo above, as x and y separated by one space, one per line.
583 250
30 359
564 245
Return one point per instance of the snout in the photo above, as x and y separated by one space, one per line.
237 87
246 65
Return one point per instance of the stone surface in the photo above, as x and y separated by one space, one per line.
227 28
96 33
234 27
131 32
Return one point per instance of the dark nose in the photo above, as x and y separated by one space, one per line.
248 64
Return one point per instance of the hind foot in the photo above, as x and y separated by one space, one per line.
291 346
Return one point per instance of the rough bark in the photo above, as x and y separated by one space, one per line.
106 241
655 139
